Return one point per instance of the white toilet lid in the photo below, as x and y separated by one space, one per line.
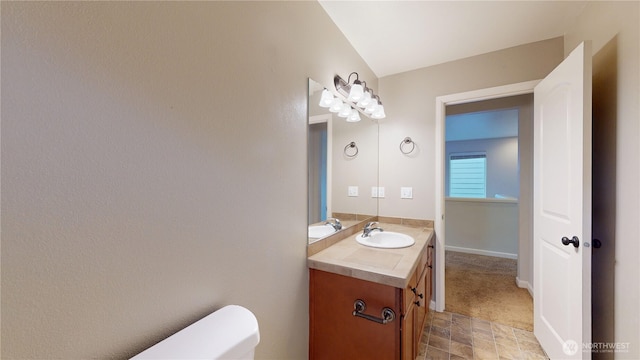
227 333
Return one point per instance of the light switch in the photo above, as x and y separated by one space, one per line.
352 191
377 192
406 193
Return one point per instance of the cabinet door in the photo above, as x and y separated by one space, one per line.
429 274
409 292
409 349
424 290
335 333
421 307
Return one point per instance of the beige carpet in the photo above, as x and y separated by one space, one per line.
485 287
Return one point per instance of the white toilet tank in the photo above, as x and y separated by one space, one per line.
229 333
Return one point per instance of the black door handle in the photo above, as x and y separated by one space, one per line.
574 240
597 243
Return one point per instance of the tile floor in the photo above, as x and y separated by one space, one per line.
450 336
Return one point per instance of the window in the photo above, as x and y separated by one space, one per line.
468 175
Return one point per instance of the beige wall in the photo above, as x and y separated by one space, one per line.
482 226
410 100
140 190
614 30
360 170
501 163
154 170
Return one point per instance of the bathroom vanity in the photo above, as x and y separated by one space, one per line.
370 303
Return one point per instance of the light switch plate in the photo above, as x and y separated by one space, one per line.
406 193
377 192
352 191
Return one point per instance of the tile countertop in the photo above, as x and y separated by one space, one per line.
392 267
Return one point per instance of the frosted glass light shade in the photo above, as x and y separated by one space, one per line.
354 116
336 105
345 111
379 113
373 105
356 93
366 100
326 99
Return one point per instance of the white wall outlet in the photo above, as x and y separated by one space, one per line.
381 192
406 193
352 191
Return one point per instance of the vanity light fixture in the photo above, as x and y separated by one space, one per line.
360 97
336 105
378 112
326 99
366 100
354 116
373 105
357 91
345 111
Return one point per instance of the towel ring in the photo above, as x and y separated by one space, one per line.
354 149
407 141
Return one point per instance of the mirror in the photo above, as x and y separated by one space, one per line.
342 168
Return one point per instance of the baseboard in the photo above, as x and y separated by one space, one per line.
481 252
432 305
525 285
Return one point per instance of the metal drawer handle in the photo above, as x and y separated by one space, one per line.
387 314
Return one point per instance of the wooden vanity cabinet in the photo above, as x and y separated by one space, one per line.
417 298
335 333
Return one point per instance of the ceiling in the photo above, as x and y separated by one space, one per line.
398 36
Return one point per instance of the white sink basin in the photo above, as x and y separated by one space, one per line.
318 231
386 240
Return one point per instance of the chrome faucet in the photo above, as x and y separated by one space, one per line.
334 222
370 227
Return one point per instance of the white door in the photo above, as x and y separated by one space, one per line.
562 207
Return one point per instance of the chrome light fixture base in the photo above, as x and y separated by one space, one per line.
360 97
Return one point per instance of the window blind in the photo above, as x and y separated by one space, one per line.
468 175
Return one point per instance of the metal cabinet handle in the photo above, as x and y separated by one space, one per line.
415 291
388 315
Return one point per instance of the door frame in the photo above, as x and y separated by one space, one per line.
441 104
328 119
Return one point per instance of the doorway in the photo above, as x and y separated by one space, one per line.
482 191
319 158
525 250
